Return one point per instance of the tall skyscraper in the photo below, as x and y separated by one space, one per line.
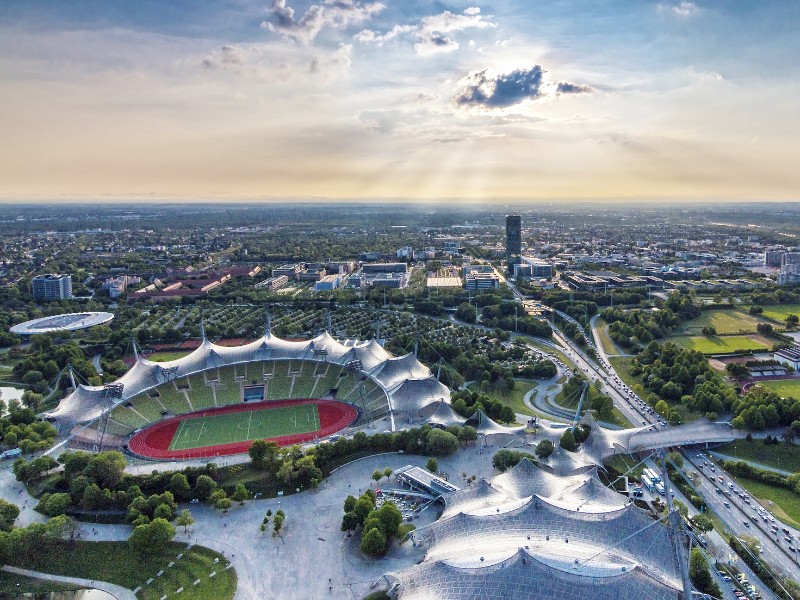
513 241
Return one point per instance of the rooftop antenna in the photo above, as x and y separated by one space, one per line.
267 324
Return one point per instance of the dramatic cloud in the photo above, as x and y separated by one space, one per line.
565 87
431 34
337 14
502 90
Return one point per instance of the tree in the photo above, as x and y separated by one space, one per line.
441 443
163 511
277 523
662 407
544 448
151 538
467 434
432 465
223 504
391 517
54 505
350 521
8 514
792 320
702 523
364 506
180 488
387 472
349 504
184 519
240 494
507 414
676 458
106 468
373 542
377 475
568 441
700 576
263 453
204 487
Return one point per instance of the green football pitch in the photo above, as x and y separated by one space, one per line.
227 428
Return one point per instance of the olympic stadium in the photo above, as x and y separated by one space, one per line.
218 399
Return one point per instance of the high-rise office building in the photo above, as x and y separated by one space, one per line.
513 241
52 287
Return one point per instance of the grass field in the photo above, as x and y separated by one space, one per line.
608 344
166 356
28 585
782 456
787 388
779 312
113 562
226 428
785 503
719 345
514 398
725 321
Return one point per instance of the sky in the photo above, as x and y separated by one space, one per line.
448 101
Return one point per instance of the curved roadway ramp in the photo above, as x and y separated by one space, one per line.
117 591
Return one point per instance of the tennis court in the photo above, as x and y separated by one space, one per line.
216 429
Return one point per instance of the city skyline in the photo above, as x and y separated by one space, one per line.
364 100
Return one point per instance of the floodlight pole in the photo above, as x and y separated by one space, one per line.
676 533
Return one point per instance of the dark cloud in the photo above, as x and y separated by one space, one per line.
565 87
502 90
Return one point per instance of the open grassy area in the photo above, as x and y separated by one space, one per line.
784 504
779 312
725 321
513 398
787 388
720 345
622 365
114 563
782 456
166 356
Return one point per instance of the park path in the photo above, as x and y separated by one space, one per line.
119 592
753 463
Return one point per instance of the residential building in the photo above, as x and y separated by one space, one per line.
52 287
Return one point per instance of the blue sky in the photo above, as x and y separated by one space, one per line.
453 101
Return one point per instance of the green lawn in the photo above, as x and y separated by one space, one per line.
719 345
725 321
113 562
514 398
29 585
779 312
256 424
786 388
786 503
782 456
166 356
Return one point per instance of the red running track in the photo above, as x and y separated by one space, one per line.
154 441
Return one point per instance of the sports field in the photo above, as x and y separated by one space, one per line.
786 388
226 428
231 429
779 312
719 344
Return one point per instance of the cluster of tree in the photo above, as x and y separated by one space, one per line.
786 589
152 536
511 316
630 329
741 468
467 403
679 375
544 449
573 437
682 306
21 429
277 522
761 408
700 575
20 545
40 363
378 525
633 296
504 459
485 366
